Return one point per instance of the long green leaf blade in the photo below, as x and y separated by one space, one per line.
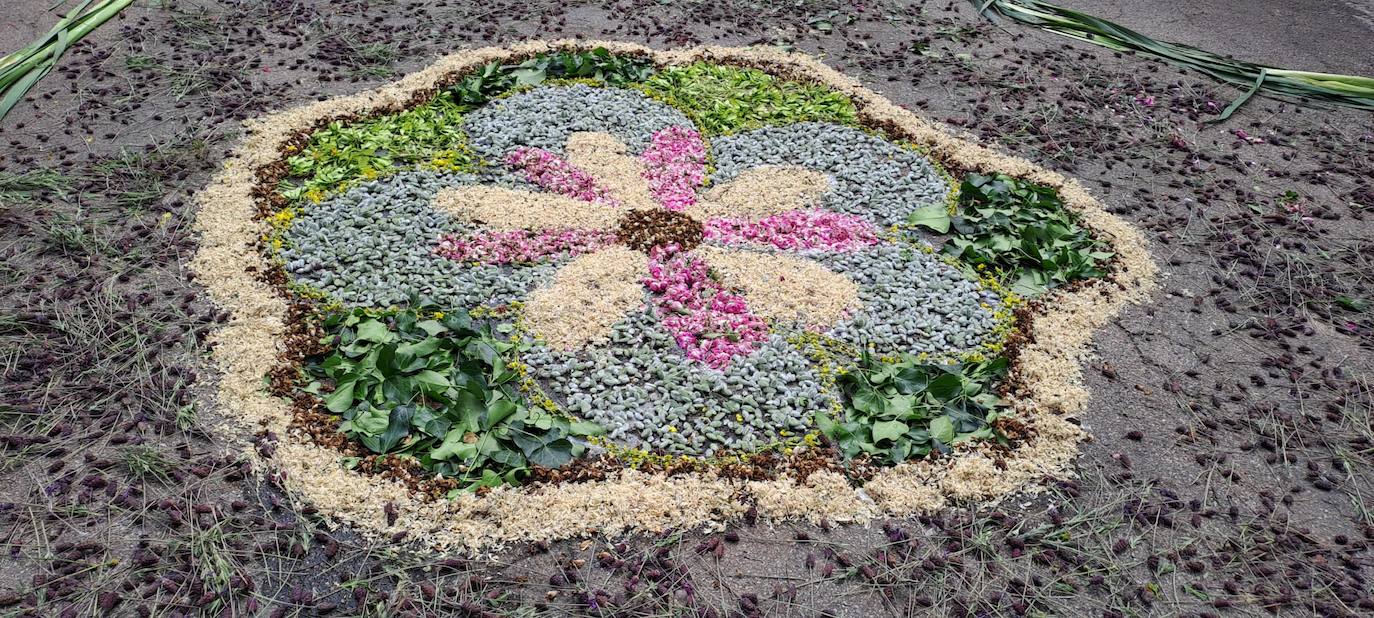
1348 90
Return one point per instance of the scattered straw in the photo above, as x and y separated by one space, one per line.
604 157
500 208
762 191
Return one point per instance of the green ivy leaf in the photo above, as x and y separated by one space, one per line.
431 381
427 421
341 399
869 401
498 411
431 327
828 426
585 428
553 454
888 430
375 331
909 379
947 386
369 423
454 446
398 426
942 429
424 347
935 217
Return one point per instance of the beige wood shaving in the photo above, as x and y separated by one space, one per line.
586 297
603 156
761 192
784 287
500 208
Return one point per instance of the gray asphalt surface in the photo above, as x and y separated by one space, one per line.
1332 36
1335 36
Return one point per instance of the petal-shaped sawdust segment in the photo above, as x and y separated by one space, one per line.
587 296
763 191
784 287
604 157
500 208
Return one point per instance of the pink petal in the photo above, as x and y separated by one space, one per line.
674 166
709 323
522 246
797 229
555 174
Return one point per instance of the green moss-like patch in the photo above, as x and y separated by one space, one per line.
427 136
724 99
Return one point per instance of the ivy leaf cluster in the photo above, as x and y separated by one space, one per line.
725 99
897 410
427 136
597 65
1020 230
434 387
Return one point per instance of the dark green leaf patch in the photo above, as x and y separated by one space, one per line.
897 410
435 387
1019 230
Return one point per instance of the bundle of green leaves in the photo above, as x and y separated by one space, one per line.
434 387
896 411
724 99
429 135
598 65
1020 230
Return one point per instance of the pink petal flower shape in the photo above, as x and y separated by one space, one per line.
522 246
551 172
709 323
674 166
699 294
797 230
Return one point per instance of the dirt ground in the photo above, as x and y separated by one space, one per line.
1231 468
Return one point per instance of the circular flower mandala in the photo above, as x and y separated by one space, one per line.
637 220
747 282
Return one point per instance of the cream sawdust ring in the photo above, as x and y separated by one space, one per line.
666 274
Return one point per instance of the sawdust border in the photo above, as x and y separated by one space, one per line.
1046 379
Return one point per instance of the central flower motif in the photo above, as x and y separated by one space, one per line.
630 223
646 230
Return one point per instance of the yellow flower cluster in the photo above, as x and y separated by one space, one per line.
1004 317
637 458
831 357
